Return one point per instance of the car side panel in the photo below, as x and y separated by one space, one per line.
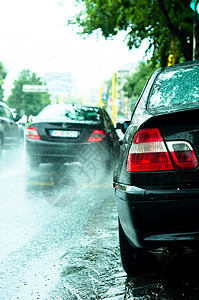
158 217
159 208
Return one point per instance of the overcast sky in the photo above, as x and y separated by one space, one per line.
34 35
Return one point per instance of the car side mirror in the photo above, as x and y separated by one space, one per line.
123 126
17 118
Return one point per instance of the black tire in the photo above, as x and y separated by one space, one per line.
135 261
33 162
108 166
19 143
21 139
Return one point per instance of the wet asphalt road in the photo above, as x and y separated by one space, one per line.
59 240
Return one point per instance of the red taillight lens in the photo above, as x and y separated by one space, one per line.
148 152
32 133
97 136
183 155
147 136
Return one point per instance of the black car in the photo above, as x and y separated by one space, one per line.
156 181
72 133
10 133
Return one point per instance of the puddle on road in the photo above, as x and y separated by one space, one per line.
177 279
92 270
91 266
86 264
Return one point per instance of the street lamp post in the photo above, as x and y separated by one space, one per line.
196 37
113 97
194 4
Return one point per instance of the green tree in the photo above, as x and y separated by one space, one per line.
134 84
3 74
30 103
167 24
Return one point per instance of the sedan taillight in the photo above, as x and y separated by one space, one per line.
32 133
149 153
182 155
97 136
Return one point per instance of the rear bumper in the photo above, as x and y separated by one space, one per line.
157 218
68 152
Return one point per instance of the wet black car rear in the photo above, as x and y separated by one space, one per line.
72 133
157 179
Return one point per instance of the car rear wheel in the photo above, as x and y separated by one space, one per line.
33 162
21 139
135 261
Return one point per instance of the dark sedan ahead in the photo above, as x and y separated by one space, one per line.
10 132
156 181
72 133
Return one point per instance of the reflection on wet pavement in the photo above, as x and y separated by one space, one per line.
58 187
93 271
59 240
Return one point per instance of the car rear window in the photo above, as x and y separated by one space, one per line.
70 113
175 89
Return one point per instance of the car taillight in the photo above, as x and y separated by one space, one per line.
148 152
97 136
182 155
32 133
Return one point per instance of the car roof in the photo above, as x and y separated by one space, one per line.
75 105
167 94
4 104
187 64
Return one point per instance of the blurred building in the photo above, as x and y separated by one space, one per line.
60 85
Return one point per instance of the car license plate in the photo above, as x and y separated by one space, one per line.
64 133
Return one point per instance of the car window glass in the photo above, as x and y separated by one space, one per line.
8 113
108 120
175 89
140 112
2 113
71 113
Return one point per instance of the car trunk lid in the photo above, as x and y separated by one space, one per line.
180 131
65 132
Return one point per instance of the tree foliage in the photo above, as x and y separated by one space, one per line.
167 24
30 103
136 82
3 74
